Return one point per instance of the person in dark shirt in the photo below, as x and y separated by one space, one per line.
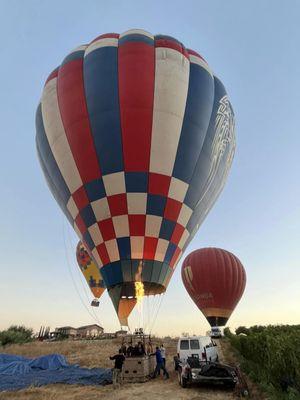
124 348
135 351
129 351
160 364
119 360
140 349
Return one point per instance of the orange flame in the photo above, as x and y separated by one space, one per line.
139 291
139 286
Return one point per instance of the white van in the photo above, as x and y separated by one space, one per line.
215 332
200 347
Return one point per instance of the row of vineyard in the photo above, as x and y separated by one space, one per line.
271 356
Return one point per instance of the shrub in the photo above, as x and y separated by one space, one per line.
242 329
272 356
62 336
16 334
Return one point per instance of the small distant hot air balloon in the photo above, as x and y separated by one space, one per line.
90 272
135 136
215 279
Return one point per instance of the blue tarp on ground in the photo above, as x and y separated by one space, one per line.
18 372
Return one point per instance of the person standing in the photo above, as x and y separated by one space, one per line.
141 349
117 370
160 364
163 354
124 348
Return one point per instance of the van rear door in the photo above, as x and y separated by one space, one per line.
184 349
195 349
211 351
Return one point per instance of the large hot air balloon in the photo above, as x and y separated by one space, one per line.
135 136
215 279
90 272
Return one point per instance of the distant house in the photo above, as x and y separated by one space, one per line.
67 331
89 331
108 335
121 333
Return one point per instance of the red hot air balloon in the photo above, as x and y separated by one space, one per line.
215 279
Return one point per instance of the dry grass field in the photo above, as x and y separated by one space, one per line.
96 354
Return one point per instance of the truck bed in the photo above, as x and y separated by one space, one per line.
195 371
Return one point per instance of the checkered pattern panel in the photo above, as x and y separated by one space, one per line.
134 224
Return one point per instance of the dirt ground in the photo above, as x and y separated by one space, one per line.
96 354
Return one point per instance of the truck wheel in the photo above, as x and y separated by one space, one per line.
176 366
182 380
179 375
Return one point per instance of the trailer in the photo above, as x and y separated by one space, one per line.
196 371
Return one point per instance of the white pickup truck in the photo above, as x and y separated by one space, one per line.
215 332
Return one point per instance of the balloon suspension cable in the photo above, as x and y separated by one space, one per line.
155 303
94 317
78 272
83 282
150 307
162 296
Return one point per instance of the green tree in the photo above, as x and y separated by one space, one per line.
16 334
242 329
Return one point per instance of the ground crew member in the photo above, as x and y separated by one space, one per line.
117 370
160 364
163 354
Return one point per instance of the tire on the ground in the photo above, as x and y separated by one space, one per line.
176 366
179 374
181 379
183 382
230 385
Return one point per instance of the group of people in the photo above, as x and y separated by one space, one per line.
136 351
133 351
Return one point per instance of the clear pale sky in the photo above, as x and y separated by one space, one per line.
253 47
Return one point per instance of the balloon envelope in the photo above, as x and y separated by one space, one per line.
215 279
90 270
135 136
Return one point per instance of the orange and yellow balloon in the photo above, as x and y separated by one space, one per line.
90 271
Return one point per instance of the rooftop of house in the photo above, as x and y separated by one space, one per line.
65 327
91 326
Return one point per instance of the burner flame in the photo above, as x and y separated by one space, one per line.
139 286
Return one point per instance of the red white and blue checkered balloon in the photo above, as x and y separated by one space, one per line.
135 136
